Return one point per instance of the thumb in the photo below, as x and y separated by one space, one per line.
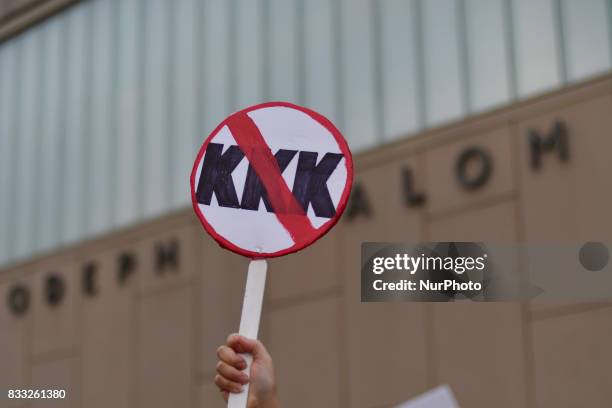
241 344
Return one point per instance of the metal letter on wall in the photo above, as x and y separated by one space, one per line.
475 181
19 299
358 203
55 288
167 256
90 274
126 265
412 198
557 139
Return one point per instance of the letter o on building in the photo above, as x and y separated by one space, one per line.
477 154
19 300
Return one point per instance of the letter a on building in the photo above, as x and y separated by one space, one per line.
271 179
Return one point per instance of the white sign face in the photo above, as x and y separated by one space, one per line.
271 179
440 397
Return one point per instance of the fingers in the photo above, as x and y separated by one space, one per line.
226 385
241 344
229 376
231 373
230 357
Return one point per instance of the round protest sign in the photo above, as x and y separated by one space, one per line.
271 179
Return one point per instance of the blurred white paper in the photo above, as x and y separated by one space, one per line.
440 397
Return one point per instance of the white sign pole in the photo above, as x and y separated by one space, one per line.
249 320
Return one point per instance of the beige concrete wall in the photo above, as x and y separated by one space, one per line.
149 340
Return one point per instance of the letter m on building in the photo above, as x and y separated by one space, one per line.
556 139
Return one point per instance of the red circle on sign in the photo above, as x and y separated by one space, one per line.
252 144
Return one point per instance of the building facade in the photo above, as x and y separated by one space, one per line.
123 304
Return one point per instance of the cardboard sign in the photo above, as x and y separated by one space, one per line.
271 179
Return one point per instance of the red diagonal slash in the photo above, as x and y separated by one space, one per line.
287 209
